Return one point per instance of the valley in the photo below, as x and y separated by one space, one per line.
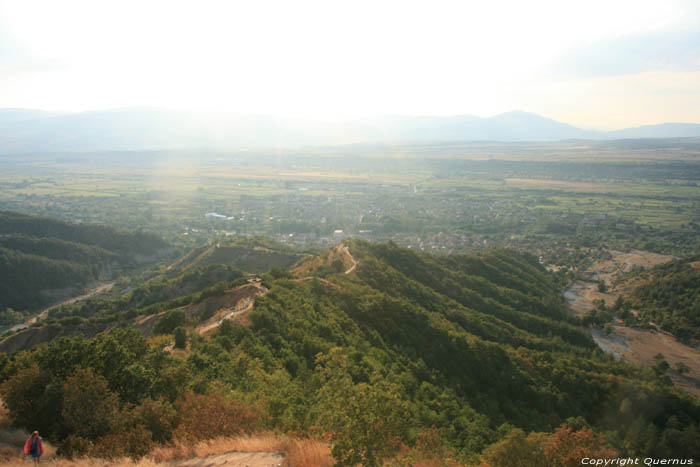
465 293
630 342
349 234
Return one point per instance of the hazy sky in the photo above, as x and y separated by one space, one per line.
597 64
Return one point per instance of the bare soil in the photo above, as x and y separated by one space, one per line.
341 252
239 302
234 459
631 344
621 263
640 346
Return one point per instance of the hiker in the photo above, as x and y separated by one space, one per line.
33 447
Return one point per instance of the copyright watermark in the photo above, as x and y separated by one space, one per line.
621 461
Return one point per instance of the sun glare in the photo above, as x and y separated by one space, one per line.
311 58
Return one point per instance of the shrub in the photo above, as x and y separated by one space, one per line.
156 416
90 409
205 416
167 323
180 337
135 442
74 446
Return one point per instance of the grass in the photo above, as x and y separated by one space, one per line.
298 452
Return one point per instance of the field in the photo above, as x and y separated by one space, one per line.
452 197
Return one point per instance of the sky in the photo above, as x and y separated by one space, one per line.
594 64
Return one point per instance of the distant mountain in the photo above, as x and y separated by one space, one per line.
148 128
663 130
522 126
17 115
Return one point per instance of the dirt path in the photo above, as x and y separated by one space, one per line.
234 459
347 253
243 305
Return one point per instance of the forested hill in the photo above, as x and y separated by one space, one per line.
38 254
672 298
373 346
111 239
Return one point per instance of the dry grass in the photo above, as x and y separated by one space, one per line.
308 452
298 452
12 441
92 462
256 443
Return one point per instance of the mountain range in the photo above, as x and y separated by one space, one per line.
148 128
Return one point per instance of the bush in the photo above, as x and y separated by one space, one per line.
90 409
180 337
156 416
135 442
74 446
205 416
167 323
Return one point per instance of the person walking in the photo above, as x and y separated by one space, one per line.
33 447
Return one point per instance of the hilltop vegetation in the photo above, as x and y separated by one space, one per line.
467 352
38 254
203 272
153 295
672 299
248 254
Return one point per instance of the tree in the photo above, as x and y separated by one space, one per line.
619 303
515 450
156 416
563 448
367 421
90 409
338 265
661 366
566 447
180 337
205 416
27 397
169 321
681 368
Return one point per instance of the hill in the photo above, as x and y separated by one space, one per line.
252 255
39 255
372 345
663 130
671 299
146 128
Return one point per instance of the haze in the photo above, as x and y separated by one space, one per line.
593 64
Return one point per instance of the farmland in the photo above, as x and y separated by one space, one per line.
444 198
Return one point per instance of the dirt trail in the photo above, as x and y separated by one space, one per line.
234 459
44 313
348 255
243 305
